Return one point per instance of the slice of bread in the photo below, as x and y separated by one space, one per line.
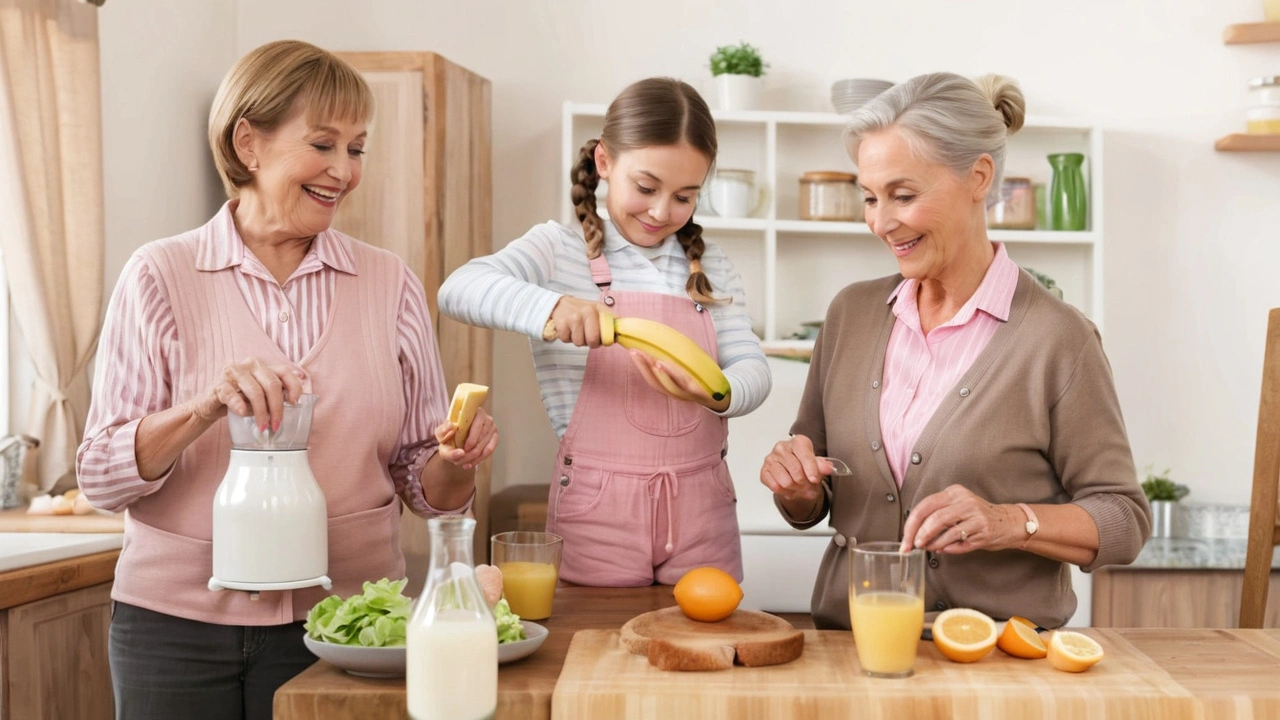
467 399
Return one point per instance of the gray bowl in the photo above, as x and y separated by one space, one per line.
376 662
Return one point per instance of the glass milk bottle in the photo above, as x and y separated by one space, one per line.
451 670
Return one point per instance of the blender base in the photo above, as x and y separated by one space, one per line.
322 580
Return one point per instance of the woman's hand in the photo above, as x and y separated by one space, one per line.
674 381
482 440
577 321
792 471
251 387
956 521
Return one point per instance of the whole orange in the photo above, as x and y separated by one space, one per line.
708 594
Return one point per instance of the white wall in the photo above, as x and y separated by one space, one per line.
161 63
1191 246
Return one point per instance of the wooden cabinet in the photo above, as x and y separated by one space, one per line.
54 657
426 195
1136 598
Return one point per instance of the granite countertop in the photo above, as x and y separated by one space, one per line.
1207 537
1195 554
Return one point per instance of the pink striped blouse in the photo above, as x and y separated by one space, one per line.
132 377
920 370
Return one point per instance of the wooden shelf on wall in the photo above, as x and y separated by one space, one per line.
1241 142
1251 33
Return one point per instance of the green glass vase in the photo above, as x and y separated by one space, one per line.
1068 200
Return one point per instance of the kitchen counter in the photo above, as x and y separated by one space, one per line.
1147 673
1194 554
17 520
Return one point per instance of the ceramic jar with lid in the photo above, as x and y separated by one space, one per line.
1263 115
829 195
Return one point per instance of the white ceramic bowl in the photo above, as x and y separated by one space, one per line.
388 662
379 662
534 634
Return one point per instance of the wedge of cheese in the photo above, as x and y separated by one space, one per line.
467 399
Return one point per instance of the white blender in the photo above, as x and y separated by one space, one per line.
270 520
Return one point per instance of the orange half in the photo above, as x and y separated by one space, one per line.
1073 652
964 635
1021 640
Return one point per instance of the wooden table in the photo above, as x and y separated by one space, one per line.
1184 673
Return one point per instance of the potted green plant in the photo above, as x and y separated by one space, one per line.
1163 495
738 70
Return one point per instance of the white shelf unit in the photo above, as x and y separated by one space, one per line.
792 268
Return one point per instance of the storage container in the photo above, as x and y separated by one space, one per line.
826 195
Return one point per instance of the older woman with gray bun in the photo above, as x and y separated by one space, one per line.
976 410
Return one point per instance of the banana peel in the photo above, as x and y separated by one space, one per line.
662 343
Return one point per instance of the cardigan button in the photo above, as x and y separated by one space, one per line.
933 563
916 458
840 540
875 444
940 605
964 392
875 384
888 497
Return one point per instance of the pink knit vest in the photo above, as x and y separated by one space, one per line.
354 369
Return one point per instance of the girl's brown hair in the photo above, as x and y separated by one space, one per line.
266 86
651 112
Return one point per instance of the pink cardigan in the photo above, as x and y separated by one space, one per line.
166 560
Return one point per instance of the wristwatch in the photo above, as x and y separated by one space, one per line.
1033 523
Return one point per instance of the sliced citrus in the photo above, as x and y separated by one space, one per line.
1021 640
1073 651
963 634
707 594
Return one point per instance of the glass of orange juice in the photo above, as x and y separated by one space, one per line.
530 565
886 607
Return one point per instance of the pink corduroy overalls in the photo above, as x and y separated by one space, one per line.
641 492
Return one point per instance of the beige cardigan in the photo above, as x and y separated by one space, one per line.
1034 420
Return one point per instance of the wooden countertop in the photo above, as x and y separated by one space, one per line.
17 520
1183 673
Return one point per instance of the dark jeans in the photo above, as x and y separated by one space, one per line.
165 667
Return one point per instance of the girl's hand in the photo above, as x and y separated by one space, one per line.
792 471
482 440
251 387
955 521
577 321
672 380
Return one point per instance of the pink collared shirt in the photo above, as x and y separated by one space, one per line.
141 328
920 370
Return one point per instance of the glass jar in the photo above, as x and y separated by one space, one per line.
451 654
1263 115
826 195
1016 208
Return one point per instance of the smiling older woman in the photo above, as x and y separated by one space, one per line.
976 410
264 302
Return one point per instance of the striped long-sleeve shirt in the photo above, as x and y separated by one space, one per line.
516 288
139 342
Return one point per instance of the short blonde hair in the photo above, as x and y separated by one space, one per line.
948 119
268 84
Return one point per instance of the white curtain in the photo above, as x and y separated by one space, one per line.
51 215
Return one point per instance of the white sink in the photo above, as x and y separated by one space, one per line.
23 549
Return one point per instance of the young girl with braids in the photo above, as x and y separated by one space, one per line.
640 491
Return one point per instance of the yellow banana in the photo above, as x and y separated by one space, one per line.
662 343
666 344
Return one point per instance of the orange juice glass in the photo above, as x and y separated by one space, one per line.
886 607
530 565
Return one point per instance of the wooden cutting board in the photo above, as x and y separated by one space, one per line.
671 641
602 679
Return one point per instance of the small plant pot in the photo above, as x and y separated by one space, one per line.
738 92
1166 520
